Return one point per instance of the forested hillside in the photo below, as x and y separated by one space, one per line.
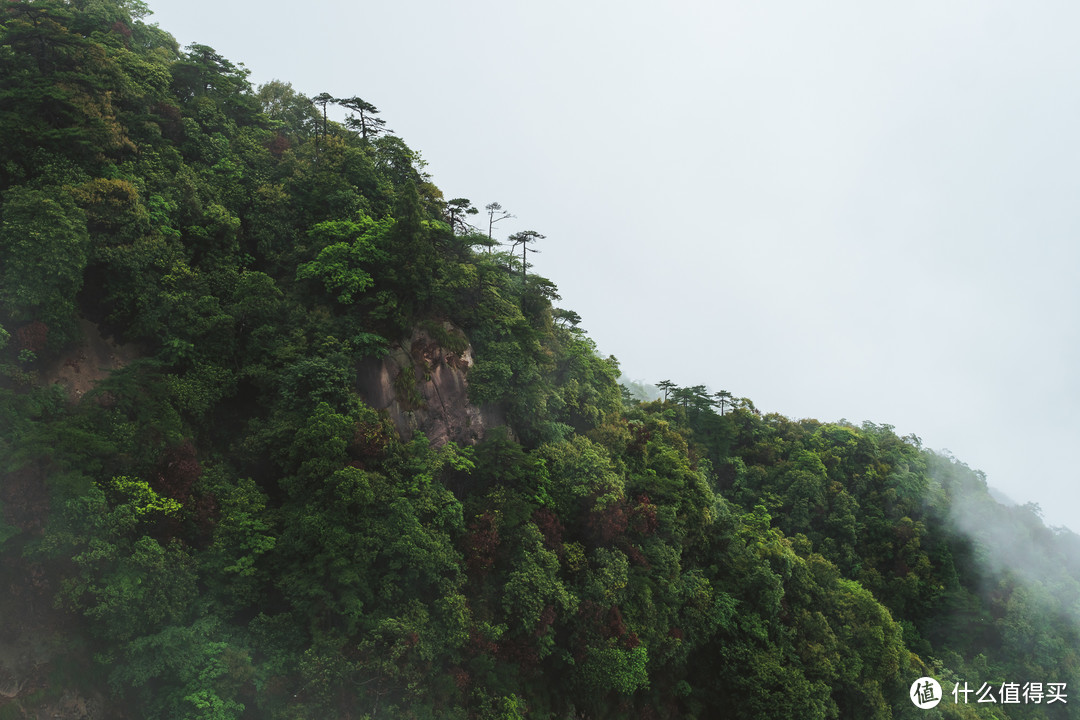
227 325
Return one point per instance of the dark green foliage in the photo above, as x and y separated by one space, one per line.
364 121
236 534
44 246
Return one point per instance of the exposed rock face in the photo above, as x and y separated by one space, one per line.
422 386
88 363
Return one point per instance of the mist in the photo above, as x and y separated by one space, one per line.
1025 574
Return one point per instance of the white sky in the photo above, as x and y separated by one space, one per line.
859 210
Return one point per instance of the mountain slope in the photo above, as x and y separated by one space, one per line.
245 516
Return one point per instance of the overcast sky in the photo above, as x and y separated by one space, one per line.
855 210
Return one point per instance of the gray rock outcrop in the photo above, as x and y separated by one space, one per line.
423 387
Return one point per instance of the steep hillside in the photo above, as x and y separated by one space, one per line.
282 436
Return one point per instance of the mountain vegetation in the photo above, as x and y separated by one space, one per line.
223 526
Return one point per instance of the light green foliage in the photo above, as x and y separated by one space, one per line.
128 583
615 669
319 446
291 112
136 504
242 537
113 210
344 247
186 671
200 388
578 470
587 384
314 382
608 576
534 584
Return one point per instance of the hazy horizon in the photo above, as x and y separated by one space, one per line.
850 212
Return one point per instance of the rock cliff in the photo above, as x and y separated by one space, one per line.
422 384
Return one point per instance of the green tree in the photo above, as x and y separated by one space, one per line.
189 671
347 248
44 247
323 99
723 399
204 73
495 214
566 318
57 91
366 120
289 110
667 386
457 209
525 238
126 581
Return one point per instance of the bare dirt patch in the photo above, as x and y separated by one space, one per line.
94 358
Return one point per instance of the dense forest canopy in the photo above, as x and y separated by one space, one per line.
205 512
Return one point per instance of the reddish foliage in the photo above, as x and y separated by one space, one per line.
590 618
547 619
171 121
38 579
369 441
635 556
615 627
480 645
641 437
643 516
278 145
648 712
461 678
590 612
600 624
904 532
481 544
676 633
178 470
550 528
121 29
30 582
25 499
168 112
33 336
206 514
522 652
609 523
693 457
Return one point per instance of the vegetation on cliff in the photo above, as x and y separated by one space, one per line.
222 528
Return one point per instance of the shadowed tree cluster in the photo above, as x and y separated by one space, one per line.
223 529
